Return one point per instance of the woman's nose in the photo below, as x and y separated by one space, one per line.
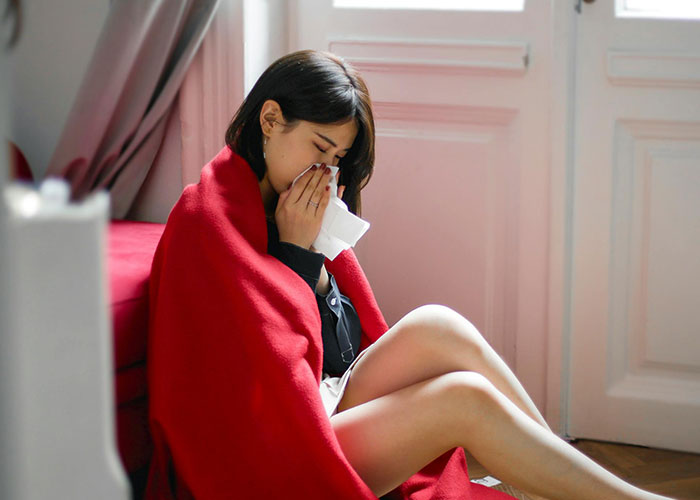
329 158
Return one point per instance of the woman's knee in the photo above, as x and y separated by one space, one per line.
470 384
442 324
467 395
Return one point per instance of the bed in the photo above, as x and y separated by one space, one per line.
131 246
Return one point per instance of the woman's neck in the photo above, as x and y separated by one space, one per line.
269 196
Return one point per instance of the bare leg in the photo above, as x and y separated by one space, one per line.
390 438
429 341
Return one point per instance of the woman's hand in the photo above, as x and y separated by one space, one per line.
298 220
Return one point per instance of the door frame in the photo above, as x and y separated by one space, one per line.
562 150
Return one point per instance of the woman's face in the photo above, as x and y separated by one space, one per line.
291 149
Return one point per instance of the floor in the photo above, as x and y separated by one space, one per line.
669 473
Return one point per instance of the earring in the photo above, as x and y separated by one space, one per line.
264 144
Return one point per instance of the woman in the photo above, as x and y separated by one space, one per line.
431 382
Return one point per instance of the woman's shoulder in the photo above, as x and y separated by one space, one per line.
224 206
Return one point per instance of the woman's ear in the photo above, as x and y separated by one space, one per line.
270 115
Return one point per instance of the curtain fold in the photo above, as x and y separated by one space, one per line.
117 122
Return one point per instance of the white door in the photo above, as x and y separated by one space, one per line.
636 233
458 203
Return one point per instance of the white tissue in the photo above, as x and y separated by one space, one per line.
340 228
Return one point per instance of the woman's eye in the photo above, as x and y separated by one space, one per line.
324 150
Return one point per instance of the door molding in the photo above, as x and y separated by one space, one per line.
562 106
467 57
652 68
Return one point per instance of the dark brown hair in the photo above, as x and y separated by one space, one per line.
317 87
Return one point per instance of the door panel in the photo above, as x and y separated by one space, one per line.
635 330
459 199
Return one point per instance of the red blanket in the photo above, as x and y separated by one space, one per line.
235 358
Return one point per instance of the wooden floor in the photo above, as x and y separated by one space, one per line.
668 473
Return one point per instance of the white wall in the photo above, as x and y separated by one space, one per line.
265 25
46 68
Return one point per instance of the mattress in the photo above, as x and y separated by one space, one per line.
131 246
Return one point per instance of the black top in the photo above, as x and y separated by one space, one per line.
340 329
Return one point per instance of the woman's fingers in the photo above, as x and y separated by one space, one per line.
325 197
309 191
341 189
321 193
312 192
301 185
316 187
300 209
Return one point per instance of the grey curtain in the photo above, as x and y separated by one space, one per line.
116 125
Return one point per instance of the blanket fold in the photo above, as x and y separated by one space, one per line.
235 358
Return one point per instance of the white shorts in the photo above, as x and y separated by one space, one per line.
333 388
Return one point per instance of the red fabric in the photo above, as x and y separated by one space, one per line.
130 255
235 359
131 246
19 167
133 439
131 383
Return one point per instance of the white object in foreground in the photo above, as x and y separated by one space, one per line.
487 481
57 431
